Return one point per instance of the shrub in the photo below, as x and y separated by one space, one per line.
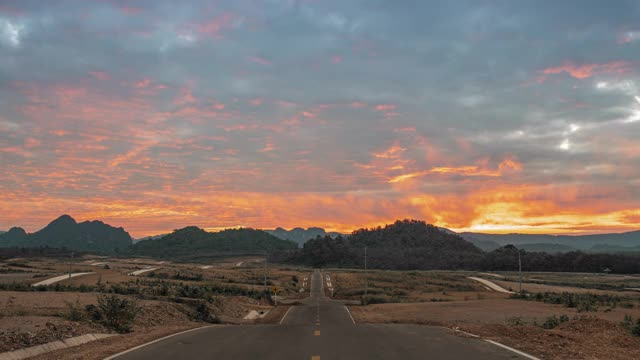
74 311
117 313
201 312
553 321
635 331
366 300
515 321
628 324
93 312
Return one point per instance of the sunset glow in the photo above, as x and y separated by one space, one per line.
476 116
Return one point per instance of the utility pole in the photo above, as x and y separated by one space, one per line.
520 269
70 263
265 269
366 275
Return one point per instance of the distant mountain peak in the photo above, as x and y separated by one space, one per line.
64 219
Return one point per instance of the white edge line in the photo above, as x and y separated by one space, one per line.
285 314
155 341
466 333
512 350
349 312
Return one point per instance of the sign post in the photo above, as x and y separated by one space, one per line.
275 294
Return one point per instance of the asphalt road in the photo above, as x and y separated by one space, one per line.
321 329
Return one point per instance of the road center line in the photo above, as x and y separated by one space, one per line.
316 333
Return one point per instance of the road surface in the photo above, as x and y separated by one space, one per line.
321 329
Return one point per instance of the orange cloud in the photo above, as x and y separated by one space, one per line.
506 165
215 26
587 70
391 153
385 107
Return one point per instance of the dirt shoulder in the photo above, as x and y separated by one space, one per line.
517 323
111 346
580 338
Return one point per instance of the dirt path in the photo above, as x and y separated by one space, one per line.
60 278
491 285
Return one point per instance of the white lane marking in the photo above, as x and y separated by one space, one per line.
466 333
59 278
285 314
155 341
349 312
512 350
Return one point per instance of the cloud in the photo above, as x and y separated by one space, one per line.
11 32
295 113
588 70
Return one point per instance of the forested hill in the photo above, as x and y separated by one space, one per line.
193 242
411 244
407 244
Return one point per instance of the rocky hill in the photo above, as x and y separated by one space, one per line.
65 232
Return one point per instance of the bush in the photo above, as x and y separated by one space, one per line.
515 321
553 321
93 312
74 311
201 312
366 300
117 313
635 331
628 324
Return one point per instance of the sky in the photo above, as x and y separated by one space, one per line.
489 116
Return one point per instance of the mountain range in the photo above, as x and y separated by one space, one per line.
300 235
96 236
615 242
65 232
